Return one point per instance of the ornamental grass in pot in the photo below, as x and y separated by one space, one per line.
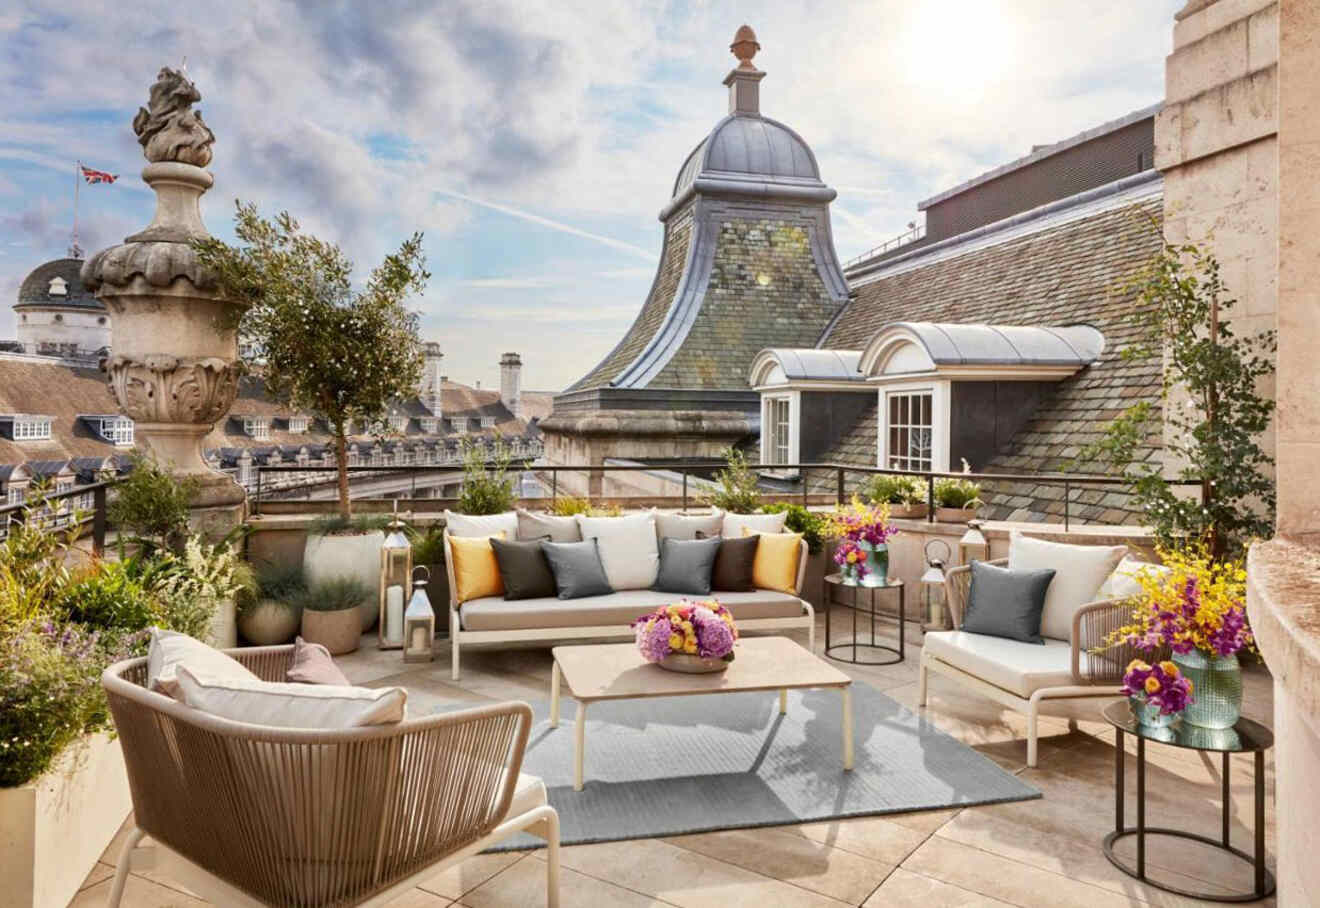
272 615
956 500
905 495
330 613
340 547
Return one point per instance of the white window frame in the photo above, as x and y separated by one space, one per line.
118 430
939 392
460 424
399 423
299 424
16 494
488 422
769 402
256 428
430 424
32 428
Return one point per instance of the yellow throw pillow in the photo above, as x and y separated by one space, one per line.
476 572
776 564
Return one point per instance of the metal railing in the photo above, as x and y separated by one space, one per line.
689 471
911 235
60 516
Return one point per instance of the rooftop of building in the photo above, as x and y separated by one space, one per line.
36 288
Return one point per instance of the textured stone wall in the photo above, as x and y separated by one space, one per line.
764 291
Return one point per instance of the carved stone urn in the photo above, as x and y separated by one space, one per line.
173 366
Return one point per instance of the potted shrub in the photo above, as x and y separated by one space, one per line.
272 614
956 500
428 551
487 486
340 547
738 492
330 613
905 495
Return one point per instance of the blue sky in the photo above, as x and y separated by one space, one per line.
534 143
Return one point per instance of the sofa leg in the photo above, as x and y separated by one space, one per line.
122 867
453 656
1033 709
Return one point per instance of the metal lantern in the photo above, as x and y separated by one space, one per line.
395 583
419 622
973 547
932 583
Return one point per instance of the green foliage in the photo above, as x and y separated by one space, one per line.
957 493
885 487
107 596
1212 412
568 506
487 486
738 491
428 546
151 504
341 353
335 595
811 525
339 524
34 560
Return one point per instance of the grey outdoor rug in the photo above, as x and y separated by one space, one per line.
676 765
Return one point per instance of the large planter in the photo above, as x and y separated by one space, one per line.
224 625
1216 689
954 515
269 623
340 632
355 555
53 830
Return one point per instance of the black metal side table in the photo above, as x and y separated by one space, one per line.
833 584
1244 737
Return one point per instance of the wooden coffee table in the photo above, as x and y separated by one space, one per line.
617 671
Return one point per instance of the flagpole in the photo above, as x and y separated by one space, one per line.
74 251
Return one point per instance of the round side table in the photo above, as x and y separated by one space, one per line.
1244 737
858 651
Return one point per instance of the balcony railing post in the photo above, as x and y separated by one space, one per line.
554 486
684 471
804 487
98 521
256 501
1067 496
930 497
838 487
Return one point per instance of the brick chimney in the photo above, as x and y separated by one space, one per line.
511 383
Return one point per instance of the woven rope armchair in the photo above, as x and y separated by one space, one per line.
1022 675
253 815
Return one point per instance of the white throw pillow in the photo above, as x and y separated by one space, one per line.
1122 584
757 523
1079 571
288 705
686 526
628 549
482 524
537 526
171 649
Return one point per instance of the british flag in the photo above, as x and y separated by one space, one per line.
97 176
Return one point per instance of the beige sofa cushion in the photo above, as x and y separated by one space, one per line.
629 551
618 608
170 649
289 705
758 523
1017 667
1079 572
686 526
482 524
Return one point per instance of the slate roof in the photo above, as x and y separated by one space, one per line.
35 289
1075 271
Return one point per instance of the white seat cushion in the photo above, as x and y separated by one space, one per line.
1019 668
171 649
1122 584
1079 571
482 524
528 795
757 523
629 551
495 613
288 705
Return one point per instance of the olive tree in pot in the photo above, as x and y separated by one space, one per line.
330 613
348 547
343 353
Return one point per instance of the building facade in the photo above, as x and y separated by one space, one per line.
57 316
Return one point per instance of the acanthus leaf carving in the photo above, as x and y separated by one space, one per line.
161 388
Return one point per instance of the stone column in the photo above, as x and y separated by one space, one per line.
174 336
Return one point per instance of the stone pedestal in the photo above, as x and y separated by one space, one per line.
174 335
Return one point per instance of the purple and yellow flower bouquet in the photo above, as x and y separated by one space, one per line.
703 629
1160 686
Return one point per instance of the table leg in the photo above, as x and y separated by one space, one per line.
1120 781
1141 807
902 618
847 729
1260 822
1228 800
783 700
554 695
579 744
854 620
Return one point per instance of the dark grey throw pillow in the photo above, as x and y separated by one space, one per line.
686 565
733 565
524 570
577 568
1004 603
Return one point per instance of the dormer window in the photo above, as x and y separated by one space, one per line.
59 287
28 428
118 430
488 422
460 424
399 422
299 424
430 424
256 428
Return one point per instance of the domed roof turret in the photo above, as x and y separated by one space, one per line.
748 154
56 283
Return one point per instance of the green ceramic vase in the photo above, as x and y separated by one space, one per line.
877 563
1216 688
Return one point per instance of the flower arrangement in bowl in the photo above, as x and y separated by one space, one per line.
688 636
863 529
1197 609
1158 692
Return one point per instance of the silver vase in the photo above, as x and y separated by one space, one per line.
1216 688
877 563
1149 715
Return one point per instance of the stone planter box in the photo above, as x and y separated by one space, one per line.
954 515
53 830
909 511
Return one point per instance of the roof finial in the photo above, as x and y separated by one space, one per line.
744 47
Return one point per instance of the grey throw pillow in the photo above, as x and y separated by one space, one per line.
524 570
560 529
577 568
686 565
1004 603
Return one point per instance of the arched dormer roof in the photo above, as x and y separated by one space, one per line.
780 366
980 351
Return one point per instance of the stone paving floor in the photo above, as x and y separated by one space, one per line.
1033 853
